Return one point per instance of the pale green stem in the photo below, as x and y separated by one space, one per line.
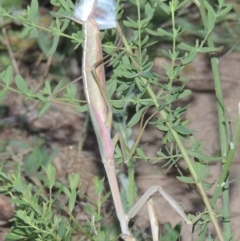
222 122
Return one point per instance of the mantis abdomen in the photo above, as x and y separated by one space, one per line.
92 54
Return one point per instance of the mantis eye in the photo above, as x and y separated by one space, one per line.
83 9
106 13
103 11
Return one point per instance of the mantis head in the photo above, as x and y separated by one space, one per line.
102 11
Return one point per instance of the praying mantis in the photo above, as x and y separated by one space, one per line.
96 15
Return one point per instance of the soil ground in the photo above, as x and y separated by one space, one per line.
62 127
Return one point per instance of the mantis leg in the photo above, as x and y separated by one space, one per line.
152 215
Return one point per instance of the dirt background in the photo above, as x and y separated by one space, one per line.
61 126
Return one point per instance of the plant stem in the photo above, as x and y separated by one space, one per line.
228 160
223 135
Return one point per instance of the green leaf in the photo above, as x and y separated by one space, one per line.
64 4
67 235
61 229
14 236
189 57
71 91
225 10
129 75
149 11
182 4
126 63
111 88
98 185
18 185
33 33
47 89
21 214
51 174
207 186
164 7
58 86
188 180
25 31
209 49
45 107
8 76
204 158
104 198
42 98
33 11
2 11
72 200
82 108
185 93
136 117
130 23
65 24
202 170
170 233
55 3
32 161
54 46
162 128
140 153
57 21
185 46
3 93
21 84
44 42
145 40
66 191
73 181
162 32
147 67
211 16
144 22
182 130
184 79
150 31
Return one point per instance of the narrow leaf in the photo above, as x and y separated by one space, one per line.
8 76
25 32
47 88
136 117
3 93
33 33
44 109
186 179
140 152
58 86
72 200
21 84
182 130
33 12
82 108
64 4
54 46
224 11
